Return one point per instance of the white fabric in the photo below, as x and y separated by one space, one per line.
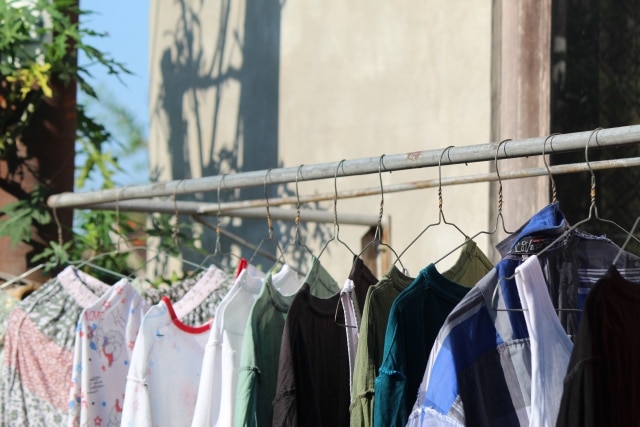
422 416
550 345
352 324
163 378
217 389
286 280
105 337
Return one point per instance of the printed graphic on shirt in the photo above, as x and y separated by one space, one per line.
531 245
106 334
106 345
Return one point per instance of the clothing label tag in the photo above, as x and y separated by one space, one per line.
530 245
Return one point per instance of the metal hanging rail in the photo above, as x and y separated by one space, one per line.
252 208
281 214
419 159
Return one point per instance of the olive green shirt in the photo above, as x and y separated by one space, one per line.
470 267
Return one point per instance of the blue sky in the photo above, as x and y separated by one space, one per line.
127 25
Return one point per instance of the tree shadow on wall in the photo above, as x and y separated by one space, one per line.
191 75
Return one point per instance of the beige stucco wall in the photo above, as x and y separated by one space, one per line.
352 79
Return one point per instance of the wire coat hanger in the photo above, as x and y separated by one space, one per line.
554 193
626 241
296 236
377 236
217 250
499 217
270 236
500 199
441 218
553 200
466 237
336 225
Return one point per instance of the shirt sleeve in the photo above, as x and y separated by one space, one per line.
244 415
136 410
246 393
284 404
390 407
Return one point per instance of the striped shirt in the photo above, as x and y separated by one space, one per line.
479 370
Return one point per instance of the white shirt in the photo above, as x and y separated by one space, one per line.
550 345
217 389
105 337
163 378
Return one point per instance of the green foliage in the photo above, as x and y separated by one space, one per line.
92 137
171 238
54 255
18 218
38 42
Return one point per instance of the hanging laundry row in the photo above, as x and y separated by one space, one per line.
524 342
544 337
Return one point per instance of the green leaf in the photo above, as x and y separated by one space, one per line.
19 218
16 226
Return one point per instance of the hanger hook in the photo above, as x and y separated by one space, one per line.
500 199
336 226
504 141
593 175
335 208
218 217
377 237
554 194
118 228
118 212
378 233
266 198
174 234
59 225
297 233
446 150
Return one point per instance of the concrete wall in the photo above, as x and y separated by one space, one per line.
246 86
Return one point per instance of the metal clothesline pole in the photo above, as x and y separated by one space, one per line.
252 208
282 214
418 159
